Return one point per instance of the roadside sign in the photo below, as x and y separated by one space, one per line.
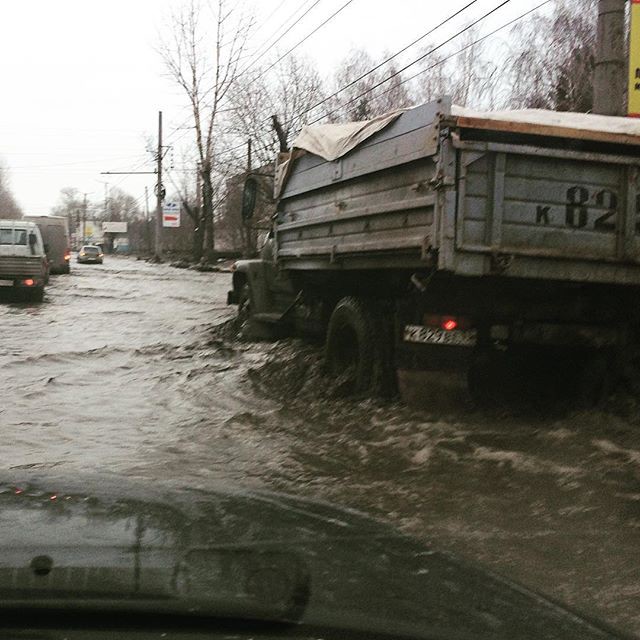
634 61
170 214
114 227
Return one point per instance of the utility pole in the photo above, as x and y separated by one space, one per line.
84 219
146 203
106 201
610 76
249 154
159 193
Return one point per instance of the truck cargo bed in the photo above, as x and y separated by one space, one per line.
555 197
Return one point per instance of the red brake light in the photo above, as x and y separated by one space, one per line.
29 282
447 323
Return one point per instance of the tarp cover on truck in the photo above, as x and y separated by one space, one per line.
330 142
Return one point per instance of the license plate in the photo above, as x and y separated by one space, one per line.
435 335
6 283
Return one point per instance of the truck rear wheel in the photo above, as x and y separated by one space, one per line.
358 348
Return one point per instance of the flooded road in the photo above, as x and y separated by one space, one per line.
128 369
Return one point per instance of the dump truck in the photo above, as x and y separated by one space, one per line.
442 239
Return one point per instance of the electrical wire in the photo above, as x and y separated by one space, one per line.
384 62
443 60
261 53
136 168
75 162
414 62
322 24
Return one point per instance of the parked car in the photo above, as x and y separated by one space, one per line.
90 253
55 235
23 262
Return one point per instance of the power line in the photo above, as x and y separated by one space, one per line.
387 60
75 162
136 168
262 53
331 17
344 6
266 20
407 66
443 60
259 47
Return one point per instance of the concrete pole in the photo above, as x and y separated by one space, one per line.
610 77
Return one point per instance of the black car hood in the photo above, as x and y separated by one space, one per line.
107 543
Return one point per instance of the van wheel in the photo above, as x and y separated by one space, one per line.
358 349
36 294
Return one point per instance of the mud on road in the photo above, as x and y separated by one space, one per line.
135 370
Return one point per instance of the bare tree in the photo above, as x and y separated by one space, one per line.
287 95
71 206
121 207
205 63
464 71
357 95
552 61
9 208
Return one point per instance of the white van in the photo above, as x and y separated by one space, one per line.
55 235
23 262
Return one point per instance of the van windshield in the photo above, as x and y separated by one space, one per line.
13 236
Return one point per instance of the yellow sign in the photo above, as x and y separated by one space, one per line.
634 60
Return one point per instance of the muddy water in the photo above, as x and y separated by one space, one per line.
129 369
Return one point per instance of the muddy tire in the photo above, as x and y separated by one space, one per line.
358 349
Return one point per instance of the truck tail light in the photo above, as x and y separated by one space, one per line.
67 254
448 323
28 282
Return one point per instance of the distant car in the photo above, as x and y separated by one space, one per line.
90 253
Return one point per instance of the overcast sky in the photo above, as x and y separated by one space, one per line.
81 82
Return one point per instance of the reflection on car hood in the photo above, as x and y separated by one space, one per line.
254 554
